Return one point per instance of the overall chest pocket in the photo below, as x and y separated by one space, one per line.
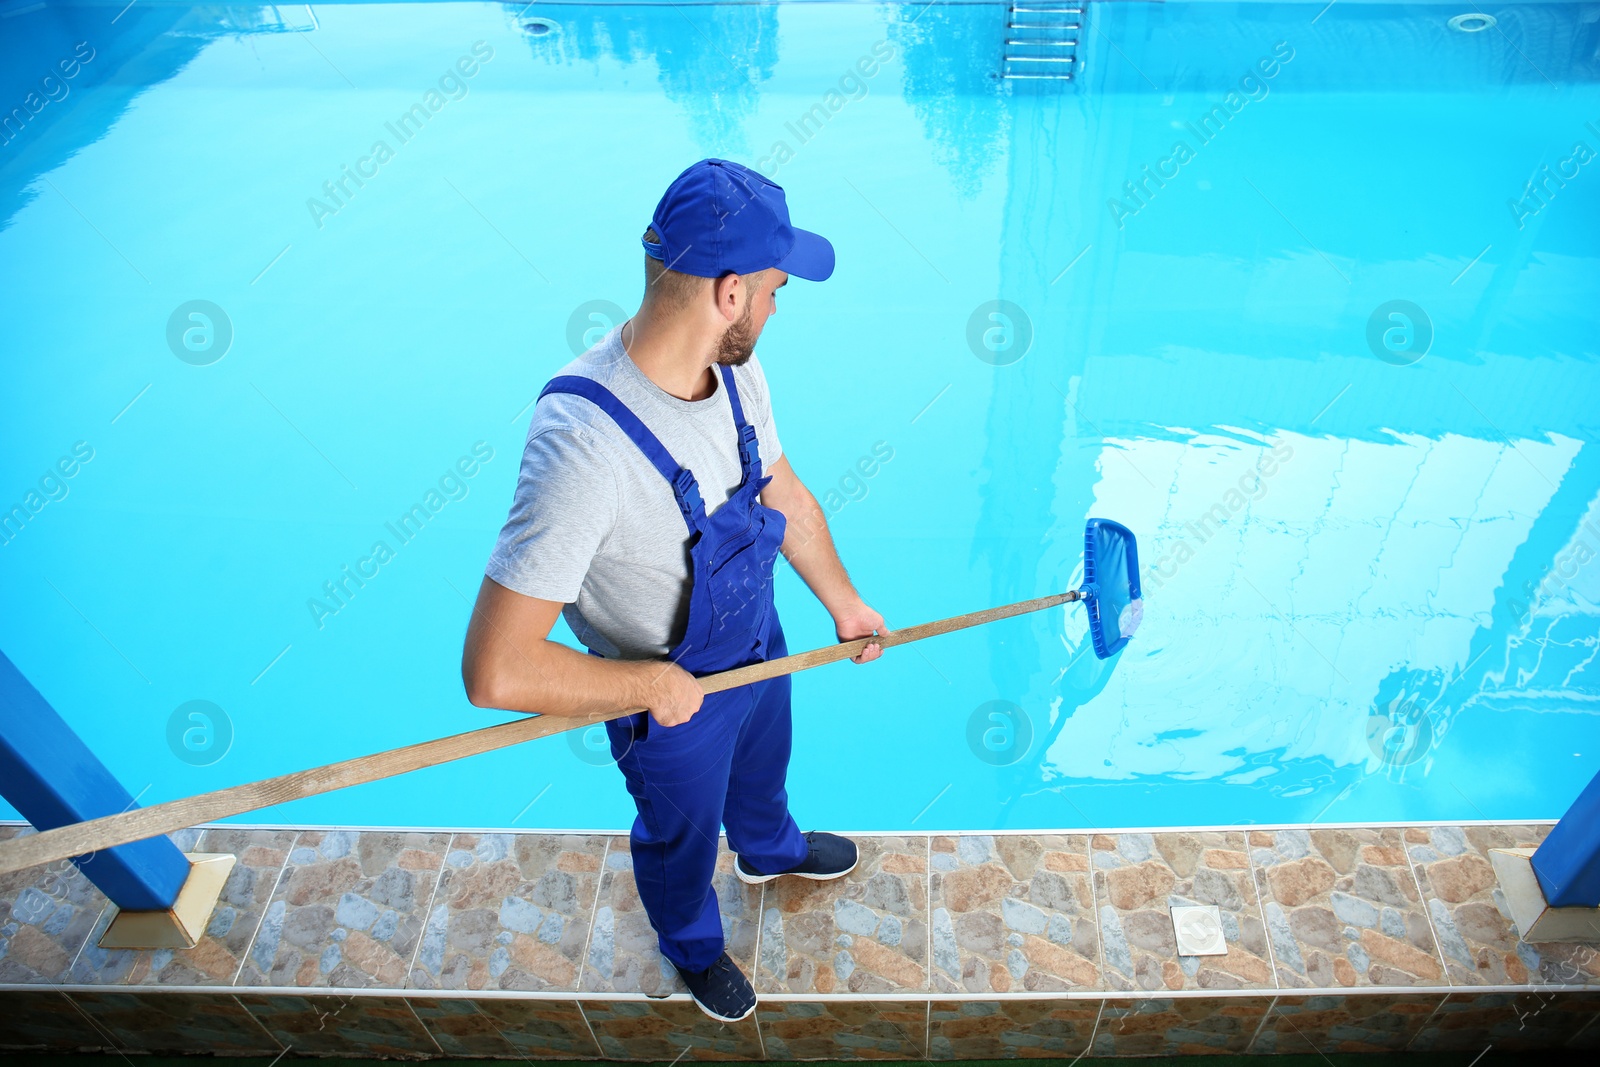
739 578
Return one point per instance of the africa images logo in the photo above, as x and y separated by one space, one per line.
54 88
453 484
1252 87
452 85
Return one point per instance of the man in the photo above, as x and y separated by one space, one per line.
651 505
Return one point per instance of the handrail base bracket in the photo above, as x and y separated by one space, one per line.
1536 920
183 925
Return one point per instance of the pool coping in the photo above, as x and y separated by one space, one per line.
923 953
848 832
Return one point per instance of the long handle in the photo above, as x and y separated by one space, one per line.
78 839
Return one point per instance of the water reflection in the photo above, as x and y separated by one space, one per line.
1316 631
949 52
711 59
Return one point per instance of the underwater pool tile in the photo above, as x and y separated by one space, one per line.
46 916
1343 910
1479 942
1013 912
843 1030
867 932
1139 877
177 1022
624 955
1011 1029
1179 1026
665 1030
513 911
1345 1023
504 1029
349 910
339 1024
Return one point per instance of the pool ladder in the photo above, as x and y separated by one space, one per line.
1041 39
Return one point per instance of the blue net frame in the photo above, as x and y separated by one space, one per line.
1110 584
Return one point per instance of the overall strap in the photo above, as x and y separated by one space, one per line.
684 488
749 451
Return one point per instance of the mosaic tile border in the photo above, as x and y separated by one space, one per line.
423 944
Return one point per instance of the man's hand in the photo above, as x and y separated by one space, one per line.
672 694
860 621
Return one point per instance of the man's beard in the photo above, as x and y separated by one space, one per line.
737 344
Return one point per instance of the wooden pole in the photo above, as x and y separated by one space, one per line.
109 831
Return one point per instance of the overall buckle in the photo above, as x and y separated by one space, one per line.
747 443
688 494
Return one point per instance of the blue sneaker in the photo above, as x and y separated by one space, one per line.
721 990
827 856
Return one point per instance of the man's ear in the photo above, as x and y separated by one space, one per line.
726 291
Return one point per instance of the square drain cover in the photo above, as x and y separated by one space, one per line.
1199 930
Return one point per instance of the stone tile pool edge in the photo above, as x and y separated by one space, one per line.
429 943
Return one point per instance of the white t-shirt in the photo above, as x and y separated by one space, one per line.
595 526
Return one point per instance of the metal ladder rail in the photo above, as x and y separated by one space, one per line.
1044 36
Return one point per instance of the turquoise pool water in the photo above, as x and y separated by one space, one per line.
1368 528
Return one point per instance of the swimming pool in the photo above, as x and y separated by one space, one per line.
1368 528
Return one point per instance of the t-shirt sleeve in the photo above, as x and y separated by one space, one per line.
565 507
761 416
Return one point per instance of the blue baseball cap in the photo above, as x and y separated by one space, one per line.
718 217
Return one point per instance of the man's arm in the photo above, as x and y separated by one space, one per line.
809 548
509 662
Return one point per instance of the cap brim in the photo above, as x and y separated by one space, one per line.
811 257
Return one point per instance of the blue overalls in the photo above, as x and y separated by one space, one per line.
726 765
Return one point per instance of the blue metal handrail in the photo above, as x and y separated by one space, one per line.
1568 862
49 775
